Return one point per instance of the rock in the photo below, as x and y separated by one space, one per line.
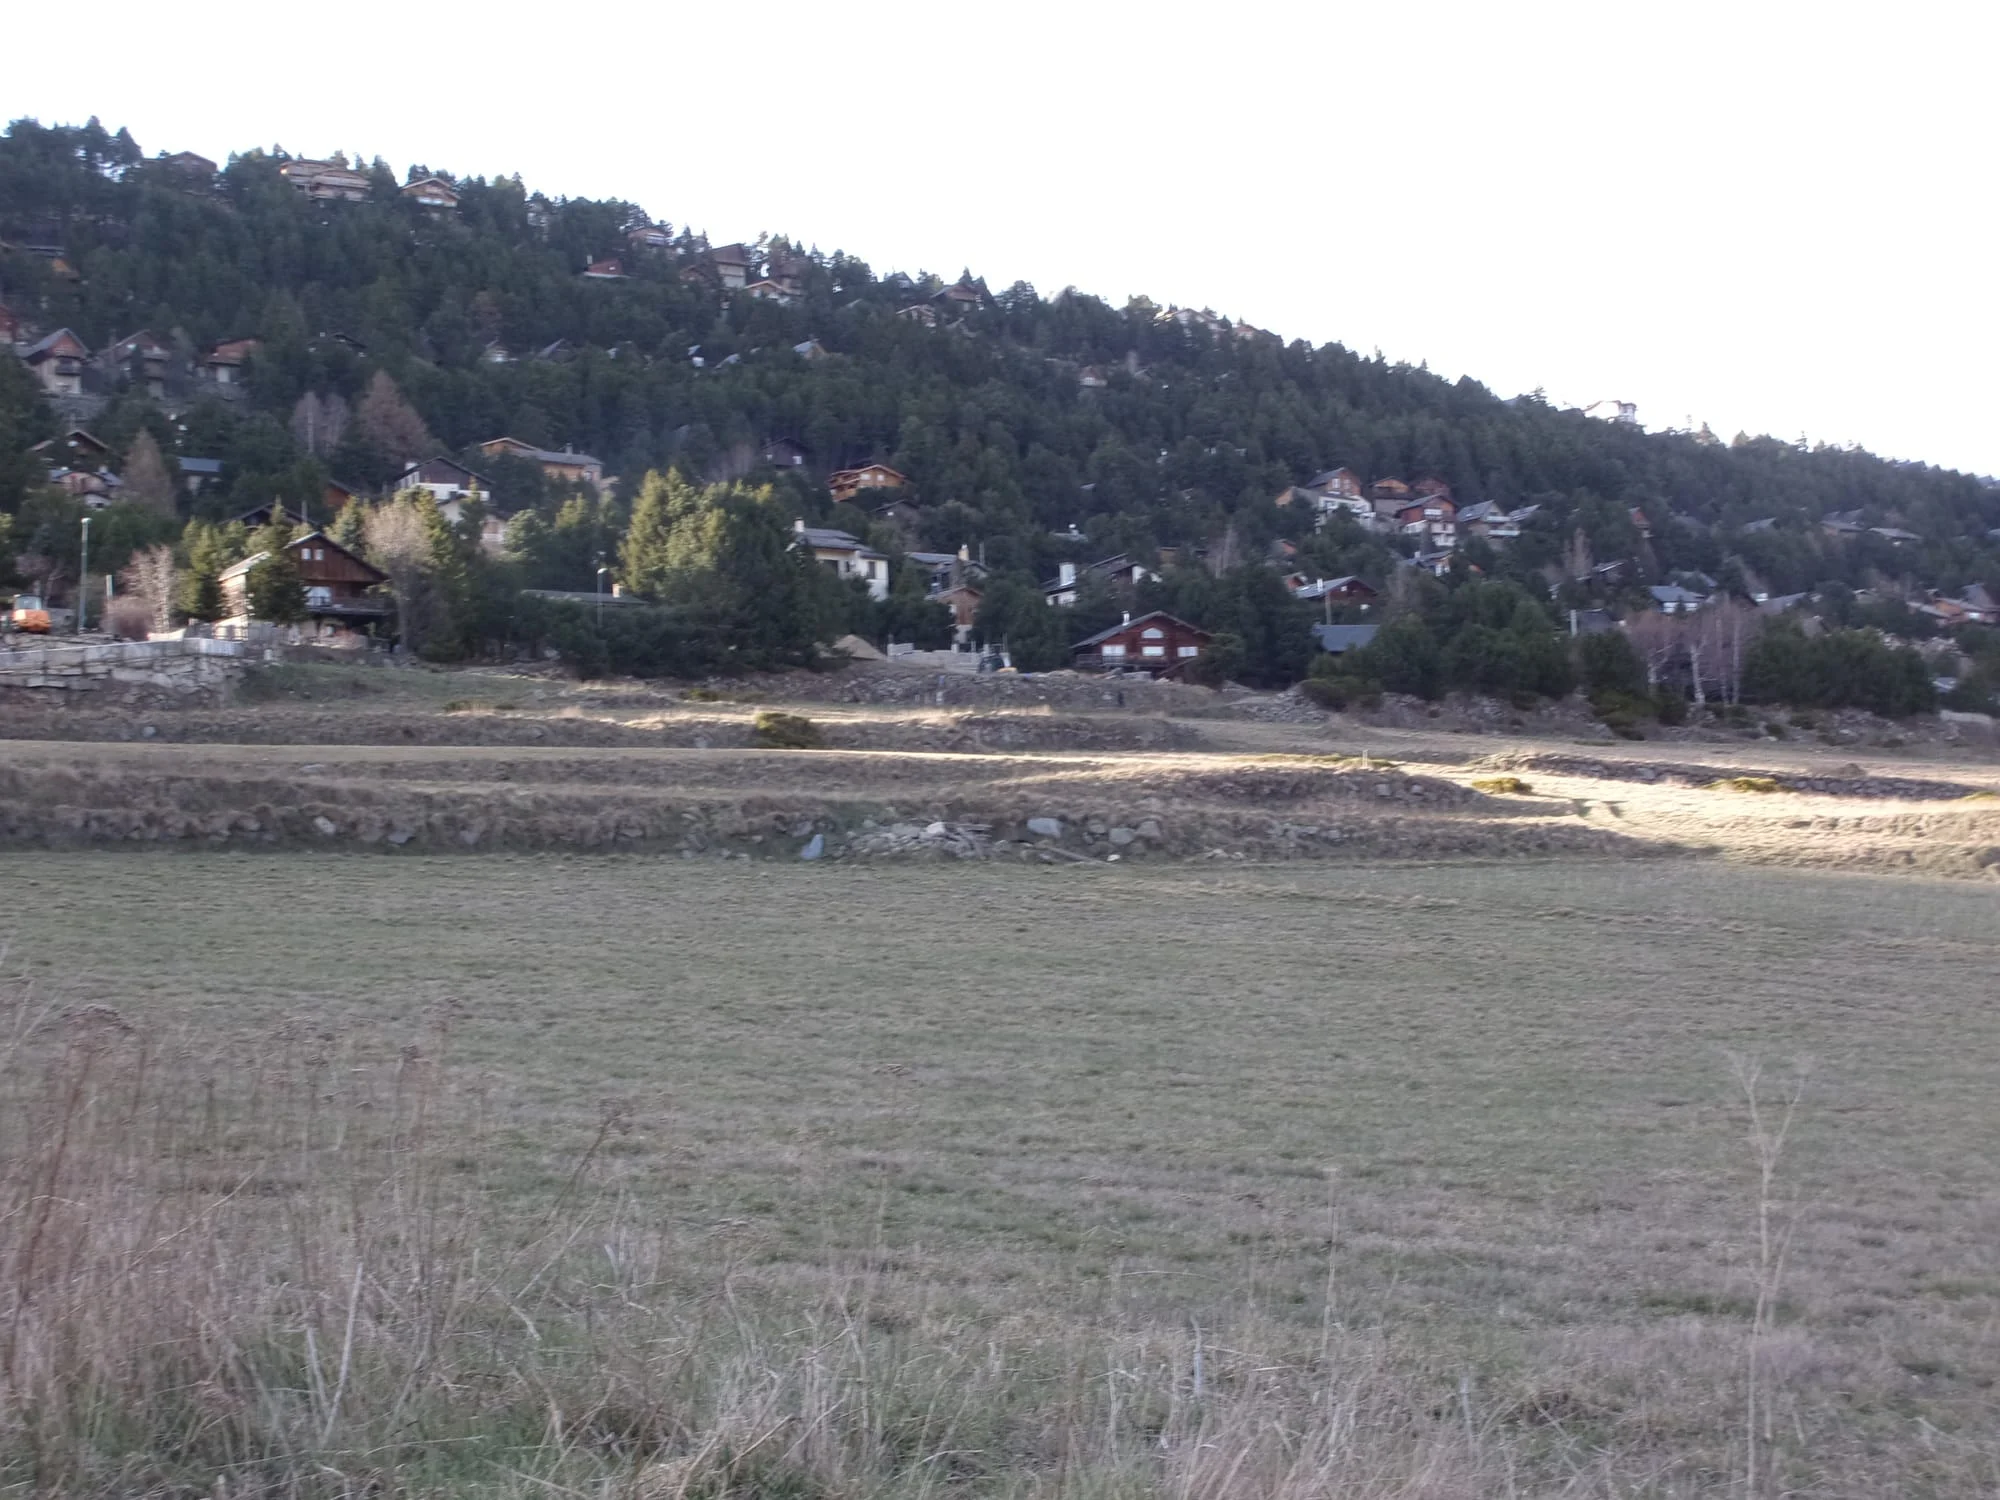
935 831
1098 827
1848 772
1047 828
1150 830
815 847
400 837
325 825
1122 836
802 828
148 732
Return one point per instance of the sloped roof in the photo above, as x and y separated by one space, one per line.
1336 639
1124 625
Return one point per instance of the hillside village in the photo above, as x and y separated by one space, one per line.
214 455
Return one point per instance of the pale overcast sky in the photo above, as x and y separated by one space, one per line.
1768 216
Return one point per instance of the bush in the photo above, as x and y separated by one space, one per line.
1503 786
128 618
1760 784
775 731
1341 691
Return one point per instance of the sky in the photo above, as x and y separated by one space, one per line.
1770 217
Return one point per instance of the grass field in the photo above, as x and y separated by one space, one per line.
535 1175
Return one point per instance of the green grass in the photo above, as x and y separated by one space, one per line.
1470 1132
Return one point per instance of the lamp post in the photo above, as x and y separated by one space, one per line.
601 573
83 580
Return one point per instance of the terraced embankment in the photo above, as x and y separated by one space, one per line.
758 803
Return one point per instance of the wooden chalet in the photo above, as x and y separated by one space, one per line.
564 466
331 181
432 192
845 484
341 597
611 268
57 362
1155 643
224 364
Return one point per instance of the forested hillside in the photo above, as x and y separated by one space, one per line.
1016 415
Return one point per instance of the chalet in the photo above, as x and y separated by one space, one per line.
449 483
782 453
564 467
1338 640
962 296
331 181
768 290
197 472
1092 378
432 192
847 483
811 349
1672 599
1119 571
611 268
1337 484
1841 525
1485 518
845 556
963 601
1591 622
1392 492
1436 563
1641 523
1981 608
76 449
96 488
1895 535
919 312
337 496
57 362
340 587
495 353
193 169
726 267
649 237
1433 521
1157 643
1430 487
141 360
1346 590
224 364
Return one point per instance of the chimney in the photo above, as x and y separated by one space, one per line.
799 524
1126 619
1066 574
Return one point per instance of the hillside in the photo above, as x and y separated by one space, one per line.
1033 429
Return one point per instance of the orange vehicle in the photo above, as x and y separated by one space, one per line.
29 617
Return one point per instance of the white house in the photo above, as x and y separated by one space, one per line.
846 556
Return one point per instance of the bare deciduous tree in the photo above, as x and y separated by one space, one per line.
320 422
390 424
146 479
151 579
1657 639
398 544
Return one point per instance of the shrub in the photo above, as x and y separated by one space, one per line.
128 618
1744 784
1340 691
1503 786
776 731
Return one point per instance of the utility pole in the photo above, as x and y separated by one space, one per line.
83 580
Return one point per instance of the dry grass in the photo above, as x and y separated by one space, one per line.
796 1181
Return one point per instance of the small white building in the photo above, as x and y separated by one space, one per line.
847 556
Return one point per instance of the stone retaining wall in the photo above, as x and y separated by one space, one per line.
181 667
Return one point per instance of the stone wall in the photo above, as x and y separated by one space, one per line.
182 668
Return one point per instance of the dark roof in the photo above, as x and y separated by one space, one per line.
1337 639
834 541
1592 621
201 466
1322 480
1673 593
45 344
1125 625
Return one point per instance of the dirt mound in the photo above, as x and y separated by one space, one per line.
1844 781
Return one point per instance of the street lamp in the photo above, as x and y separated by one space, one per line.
601 575
83 580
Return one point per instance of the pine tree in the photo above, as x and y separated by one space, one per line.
647 558
276 591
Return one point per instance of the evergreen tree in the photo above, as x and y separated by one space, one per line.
276 592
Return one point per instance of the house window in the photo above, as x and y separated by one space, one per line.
1152 650
1153 635
319 596
1114 651
1187 651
